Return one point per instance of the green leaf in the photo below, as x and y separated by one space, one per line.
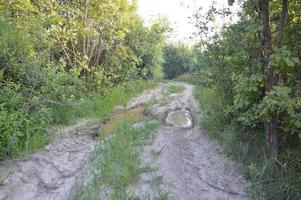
289 62
1 74
296 60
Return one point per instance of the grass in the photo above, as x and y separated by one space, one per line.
157 181
156 153
115 165
148 106
172 89
2 181
188 78
101 107
31 133
211 103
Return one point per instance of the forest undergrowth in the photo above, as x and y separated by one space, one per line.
269 179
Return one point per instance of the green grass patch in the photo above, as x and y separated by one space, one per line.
101 107
188 78
211 103
115 165
148 106
172 89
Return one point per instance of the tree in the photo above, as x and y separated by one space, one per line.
55 53
179 58
253 67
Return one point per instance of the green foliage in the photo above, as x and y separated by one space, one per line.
61 60
241 95
99 107
179 59
149 44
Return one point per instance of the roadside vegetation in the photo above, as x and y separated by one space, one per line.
64 60
173 88
115 165
249 88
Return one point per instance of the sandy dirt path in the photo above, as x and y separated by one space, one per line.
189 165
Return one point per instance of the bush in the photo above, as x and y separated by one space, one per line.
272 179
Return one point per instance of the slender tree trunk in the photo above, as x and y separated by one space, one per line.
272 78
283 20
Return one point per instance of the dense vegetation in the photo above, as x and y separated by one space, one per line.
57 58
250 86
180 58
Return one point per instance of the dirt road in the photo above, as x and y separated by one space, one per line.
187 165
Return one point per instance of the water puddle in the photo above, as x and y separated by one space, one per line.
180 119
120 119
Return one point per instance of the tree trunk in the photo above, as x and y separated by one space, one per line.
272 78
283 19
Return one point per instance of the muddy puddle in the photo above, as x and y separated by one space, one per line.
120 119
180 119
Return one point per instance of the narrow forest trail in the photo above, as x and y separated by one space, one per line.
187 165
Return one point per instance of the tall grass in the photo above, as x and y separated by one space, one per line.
100 107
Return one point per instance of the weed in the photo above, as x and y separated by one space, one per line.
23 133
157 181
163 196
147 168
148 106
155 153
101 107
2 181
